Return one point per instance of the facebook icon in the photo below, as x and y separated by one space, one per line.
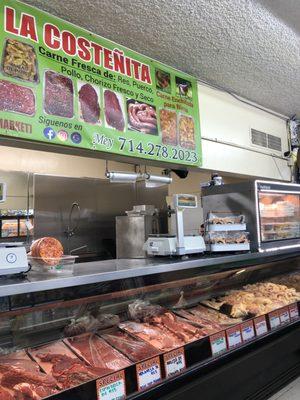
49 133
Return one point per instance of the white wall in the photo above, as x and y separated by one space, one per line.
226 119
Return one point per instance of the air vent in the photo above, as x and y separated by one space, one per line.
259 138
263 139
274 142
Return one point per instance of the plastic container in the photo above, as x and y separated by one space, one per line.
228 241
60 266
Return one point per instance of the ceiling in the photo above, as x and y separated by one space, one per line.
250 47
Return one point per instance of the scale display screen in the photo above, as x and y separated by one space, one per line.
2 192
186 201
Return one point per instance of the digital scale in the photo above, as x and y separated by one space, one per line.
179 244
13 258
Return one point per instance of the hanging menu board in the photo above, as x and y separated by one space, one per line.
61 84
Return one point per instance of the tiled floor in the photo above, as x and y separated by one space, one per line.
290 392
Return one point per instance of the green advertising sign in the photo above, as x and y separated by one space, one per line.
62 85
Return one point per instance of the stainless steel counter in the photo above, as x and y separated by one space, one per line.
102 271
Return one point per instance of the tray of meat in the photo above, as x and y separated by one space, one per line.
168 126
113 107
142 117
97 353
88 97
16 98
215 316
21 378
20 61
135 349
158 337
58 95
206 326
186 128
58 361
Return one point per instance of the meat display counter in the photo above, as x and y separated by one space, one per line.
153 329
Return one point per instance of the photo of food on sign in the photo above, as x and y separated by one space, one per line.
89 108
19 61
168 126
186 128
183 87
58 95
16 98
163 80
113 109
141 117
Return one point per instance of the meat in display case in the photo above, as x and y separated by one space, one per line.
271 209
143 330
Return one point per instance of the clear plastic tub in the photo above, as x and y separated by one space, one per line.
61 266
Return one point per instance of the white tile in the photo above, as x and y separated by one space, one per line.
289 392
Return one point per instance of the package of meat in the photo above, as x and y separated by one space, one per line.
48 249
21 378
135 349
19 61
16 98
58 95
89 104
142 117
142 310
158 336
58 361
97 353
113 110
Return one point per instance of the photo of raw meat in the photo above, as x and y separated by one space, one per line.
89 104
186 132
96 352
142 117
58 95
19 61
163 80
113 110
168 126
21 378
16 98
58 361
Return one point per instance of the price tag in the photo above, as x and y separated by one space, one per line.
247 329
174 362
111 387
234 337
218 343
260 324
274 319
284 315
148 373
294 311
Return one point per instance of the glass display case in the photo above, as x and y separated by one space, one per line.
271 211
137 329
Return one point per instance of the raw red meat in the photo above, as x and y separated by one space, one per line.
113 111
97 352
89 104
158 336
142 117
64 366
16 98
182 330
135 349
58 95
5 394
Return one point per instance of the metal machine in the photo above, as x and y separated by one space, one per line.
164 245
13 258
133 229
